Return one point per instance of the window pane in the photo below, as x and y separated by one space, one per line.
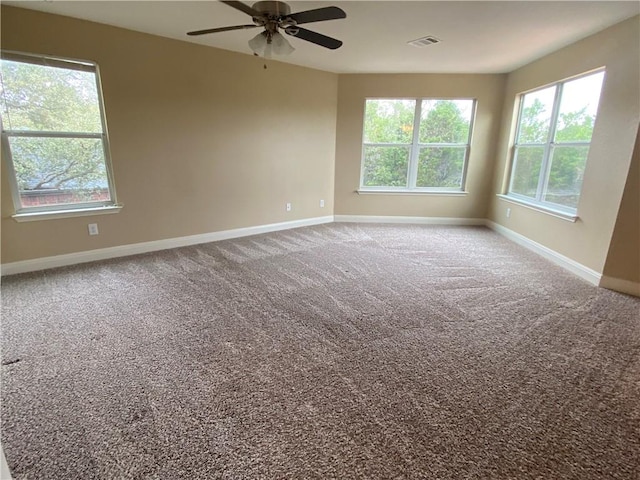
440 166
536 116
385 166
565 175
445 121
52 171
389 121
526 170
43 98
578 108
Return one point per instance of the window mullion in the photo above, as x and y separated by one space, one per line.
543 181
369 144
44 134
448 145
414 152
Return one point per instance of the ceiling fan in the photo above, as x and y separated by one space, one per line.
273 16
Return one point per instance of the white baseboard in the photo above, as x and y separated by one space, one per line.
44 263
415 220
619 285
574 267
145 247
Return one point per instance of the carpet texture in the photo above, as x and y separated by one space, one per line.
337 351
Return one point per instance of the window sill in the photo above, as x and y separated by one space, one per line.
55 214
453 193
570 217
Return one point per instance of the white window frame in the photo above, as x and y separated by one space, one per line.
59 210
543 180
414 151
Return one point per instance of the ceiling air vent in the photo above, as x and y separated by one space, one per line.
424 41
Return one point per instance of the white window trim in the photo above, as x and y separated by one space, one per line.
75 212
414 152
539 203
571 217
415 191
23 214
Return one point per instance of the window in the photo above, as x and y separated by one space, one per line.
416 144
553 136
54 134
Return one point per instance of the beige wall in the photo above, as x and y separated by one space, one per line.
352 92
202 140
587 240
623 260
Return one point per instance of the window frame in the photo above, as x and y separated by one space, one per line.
414 151
59 210
548 149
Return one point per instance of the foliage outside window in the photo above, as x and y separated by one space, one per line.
553 137
53 134
416 144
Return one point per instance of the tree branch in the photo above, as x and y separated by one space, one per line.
53 176
79 175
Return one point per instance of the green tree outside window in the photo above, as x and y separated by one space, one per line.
429 137
555 128
52 122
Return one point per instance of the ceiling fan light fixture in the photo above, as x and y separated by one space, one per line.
258 43
278 45
281 45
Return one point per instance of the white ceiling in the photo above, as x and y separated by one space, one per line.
476 36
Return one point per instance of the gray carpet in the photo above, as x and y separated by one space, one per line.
337 351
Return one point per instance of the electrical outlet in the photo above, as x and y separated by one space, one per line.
288 207
93 229
508 212
321 203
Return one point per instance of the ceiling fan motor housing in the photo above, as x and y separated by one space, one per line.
272 9
274 15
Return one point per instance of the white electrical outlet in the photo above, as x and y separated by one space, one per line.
321 203
288 207
508 212
93 229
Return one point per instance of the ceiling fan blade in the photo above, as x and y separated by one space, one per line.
243 8
222 29
313 37
318 15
